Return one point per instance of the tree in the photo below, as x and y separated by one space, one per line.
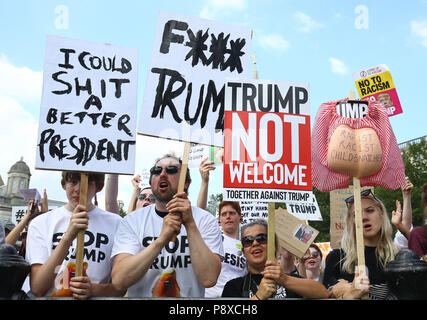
415 161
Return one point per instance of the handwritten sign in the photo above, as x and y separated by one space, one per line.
88 109
376 84
355 151
253 210
184 92
267 144
198 152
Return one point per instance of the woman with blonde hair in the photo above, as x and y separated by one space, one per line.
341 272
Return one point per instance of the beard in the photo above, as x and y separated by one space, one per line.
165 196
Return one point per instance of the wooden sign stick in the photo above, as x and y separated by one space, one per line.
81 234
271 236
183 173
360 245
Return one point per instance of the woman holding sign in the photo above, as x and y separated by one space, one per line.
340 273
266 279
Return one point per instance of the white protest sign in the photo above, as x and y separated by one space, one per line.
18 212
145 179
305 208
198 152
253 210
88 108
184 92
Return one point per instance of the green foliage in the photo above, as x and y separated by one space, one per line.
415 160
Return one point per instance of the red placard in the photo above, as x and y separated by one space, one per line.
267 150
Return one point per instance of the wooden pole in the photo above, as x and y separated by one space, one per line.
360 245
271 237
81 234
183 173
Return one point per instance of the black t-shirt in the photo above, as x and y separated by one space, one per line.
333 272
247 286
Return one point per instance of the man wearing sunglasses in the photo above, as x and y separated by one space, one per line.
146 262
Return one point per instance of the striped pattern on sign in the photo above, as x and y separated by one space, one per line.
392 172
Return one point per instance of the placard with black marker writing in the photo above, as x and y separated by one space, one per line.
88 108
184 92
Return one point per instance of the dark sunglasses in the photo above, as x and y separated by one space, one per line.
158 170
260 238
144 196
315 254
364 193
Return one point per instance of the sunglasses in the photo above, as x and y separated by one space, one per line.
364 193
260 238
158 170
315 254
144 196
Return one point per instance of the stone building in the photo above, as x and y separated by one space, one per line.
18 178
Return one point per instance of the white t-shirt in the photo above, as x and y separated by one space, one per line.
139 228
400 240
46 230
233 266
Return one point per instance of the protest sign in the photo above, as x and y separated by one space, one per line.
18 212
376 84
253 210
305 210
88 108
30 194
293 234
267 141
184 92
198 152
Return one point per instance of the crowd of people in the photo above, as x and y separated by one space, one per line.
167 247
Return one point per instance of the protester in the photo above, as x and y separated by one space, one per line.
146 262
286 260
34 208
51 244
418 236
233 262
402 219
310 266
340 274
204 169
266 279
140 198
111 192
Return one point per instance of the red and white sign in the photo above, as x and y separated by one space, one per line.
267 141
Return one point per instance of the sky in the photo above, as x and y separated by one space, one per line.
317 42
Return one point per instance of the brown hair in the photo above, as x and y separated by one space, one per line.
234 204
98 178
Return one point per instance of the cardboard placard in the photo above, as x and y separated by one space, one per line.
184 92
293 234
88 108
376 84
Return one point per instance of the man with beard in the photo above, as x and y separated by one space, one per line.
146 262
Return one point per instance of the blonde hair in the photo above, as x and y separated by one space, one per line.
385 248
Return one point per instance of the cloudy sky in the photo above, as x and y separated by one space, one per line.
319 42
